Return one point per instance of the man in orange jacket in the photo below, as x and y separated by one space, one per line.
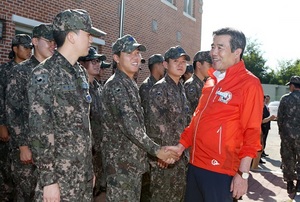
224 133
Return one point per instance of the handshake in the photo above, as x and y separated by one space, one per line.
170 154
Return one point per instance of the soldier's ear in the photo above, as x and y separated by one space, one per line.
71 37
116 58
34 41
165 64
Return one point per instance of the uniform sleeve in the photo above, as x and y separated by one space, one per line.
42 125
2 95
17 107
280 114
157 114
251 113
132 127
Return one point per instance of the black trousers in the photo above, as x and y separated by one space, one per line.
207 186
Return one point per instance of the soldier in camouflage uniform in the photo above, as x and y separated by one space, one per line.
168 111
17 113
125 142
288 121
92 62
157 71
59 124
21 50
193 86
104 65
188 73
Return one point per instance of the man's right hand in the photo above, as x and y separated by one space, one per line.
168 156
4 135
51 193
25 155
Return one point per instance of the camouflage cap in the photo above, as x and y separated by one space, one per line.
22 39
105 65
127 44
176 52
189 68
156 58
76 19
203 56
93 55
294 80
43 30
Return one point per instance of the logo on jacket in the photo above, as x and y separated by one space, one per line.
225 97
214 162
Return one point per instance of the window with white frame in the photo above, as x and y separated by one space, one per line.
171 3
189 7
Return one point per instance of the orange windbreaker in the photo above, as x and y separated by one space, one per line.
226 124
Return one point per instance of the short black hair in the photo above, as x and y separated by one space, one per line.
60 36
238 39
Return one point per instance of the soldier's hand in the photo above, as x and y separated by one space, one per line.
4 135
51 193
178 149
167 156
162 164
25 155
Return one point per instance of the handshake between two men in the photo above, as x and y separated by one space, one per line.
169 155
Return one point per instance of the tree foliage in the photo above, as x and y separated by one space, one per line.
286 70
255 62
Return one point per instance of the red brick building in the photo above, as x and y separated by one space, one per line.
158 24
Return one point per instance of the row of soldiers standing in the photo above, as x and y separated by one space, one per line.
52 146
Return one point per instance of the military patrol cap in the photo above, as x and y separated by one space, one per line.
92 55
176 52
127 44
43 30
294 80
105 65
203 56
22 39
156 58
76 19
189 68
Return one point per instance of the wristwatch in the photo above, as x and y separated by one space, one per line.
244 175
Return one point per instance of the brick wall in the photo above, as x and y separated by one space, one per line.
105 16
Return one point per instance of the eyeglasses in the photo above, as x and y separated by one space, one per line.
48 41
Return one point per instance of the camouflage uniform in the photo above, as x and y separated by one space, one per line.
289 129
17 119
144 91
95 118
193 90
6 186
144 94
193 86
60 132
125 143
168 108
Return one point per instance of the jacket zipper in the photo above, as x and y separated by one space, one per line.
220 139
194 142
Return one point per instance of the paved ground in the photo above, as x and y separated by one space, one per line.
265 182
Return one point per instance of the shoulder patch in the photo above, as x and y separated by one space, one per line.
40 79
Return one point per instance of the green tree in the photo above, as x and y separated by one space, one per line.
255 62
287 69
